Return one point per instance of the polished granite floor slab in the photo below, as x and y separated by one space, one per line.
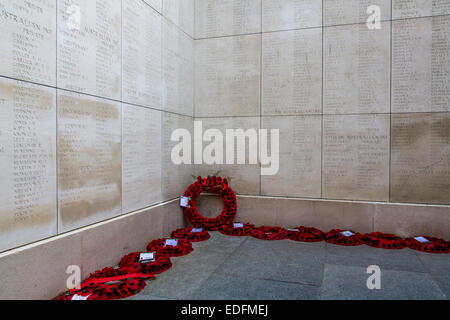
237 268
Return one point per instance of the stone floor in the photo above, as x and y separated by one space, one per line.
234 268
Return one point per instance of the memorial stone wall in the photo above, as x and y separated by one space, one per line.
363 111
89 91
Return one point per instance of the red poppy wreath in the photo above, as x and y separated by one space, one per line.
215 185
171 247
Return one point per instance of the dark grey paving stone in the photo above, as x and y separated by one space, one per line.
223 287
288 261
364 256
220 242
438 265
348 282
186 274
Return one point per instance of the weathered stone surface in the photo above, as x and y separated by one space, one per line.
356 69
216 18
244 178
419 8
27 162
336 12
292 72
356 157
300 155
227 76
421 158
89 158
28 40
180 12
178 70
175 178
421 65
141 157
89 47
291 14
141 52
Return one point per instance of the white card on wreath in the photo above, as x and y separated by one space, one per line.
422 239
294 230
147 257
171 243
347 233
196 230
238 225
78 298
184 202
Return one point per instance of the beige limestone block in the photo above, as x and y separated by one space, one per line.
175 178
356 69
141 157
244 177
419 8
356 157
89 47
420 170
178 70
155 4
292 72
89 158
336 12
290 14
227 76
421 65
300 155
27 162
215 18
28 40
180 12
141 53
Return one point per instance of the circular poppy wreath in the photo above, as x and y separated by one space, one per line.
335 236
269 233
384 240
188 235
435 245
131 262
305 234
231 230
182 248
215 185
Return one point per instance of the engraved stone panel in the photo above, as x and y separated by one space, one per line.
421 65
181 12
227 76
141 158
28 40
178 70
215 18
292 72
142 46
89 158
299 174
356 69
175 178
89 47
419 8
290 14
356 157
155 4
353 11
421 158
244 177
27 162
